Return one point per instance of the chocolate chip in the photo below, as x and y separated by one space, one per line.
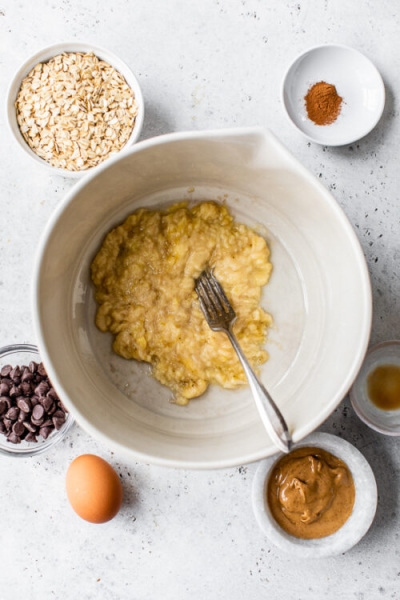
42 389
37 412
62 407
4 389
15 373
6 370
3 406
47 403
6 400
23 416
18 429
30 437
42 370
59 414
32 367
30 427
13 438
14 391
45 432
24 404
52 394
26 375
12 413
52 409
7 423
25 388
35 400
58 422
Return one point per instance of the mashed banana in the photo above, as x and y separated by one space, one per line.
144 276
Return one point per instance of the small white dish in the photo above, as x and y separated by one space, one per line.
45 55
356 80
384 421
356 525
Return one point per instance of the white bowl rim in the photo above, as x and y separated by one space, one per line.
363 512
165 139
342 47
59 48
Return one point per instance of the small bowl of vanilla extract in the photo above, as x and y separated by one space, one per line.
375 395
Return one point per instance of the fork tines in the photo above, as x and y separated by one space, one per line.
213 300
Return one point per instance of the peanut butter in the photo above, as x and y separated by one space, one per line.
310 493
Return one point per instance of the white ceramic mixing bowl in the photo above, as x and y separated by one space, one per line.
319 295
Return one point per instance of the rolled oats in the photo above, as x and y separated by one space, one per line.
75 110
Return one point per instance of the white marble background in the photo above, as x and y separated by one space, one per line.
184 534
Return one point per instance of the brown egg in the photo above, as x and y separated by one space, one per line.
93 488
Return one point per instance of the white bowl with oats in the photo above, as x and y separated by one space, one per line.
73 105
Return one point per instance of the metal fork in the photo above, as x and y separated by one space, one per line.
220 316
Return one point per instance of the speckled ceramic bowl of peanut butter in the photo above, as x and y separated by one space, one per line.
316 527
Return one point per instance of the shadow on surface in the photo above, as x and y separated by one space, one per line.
155 122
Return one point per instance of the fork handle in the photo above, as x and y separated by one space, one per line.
270 414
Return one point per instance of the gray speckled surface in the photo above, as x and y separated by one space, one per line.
193 534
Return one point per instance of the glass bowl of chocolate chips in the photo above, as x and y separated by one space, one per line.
32 416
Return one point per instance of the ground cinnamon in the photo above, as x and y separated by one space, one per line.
323 103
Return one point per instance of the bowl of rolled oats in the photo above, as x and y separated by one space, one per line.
73 105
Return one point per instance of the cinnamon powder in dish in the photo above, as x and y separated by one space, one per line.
323 103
